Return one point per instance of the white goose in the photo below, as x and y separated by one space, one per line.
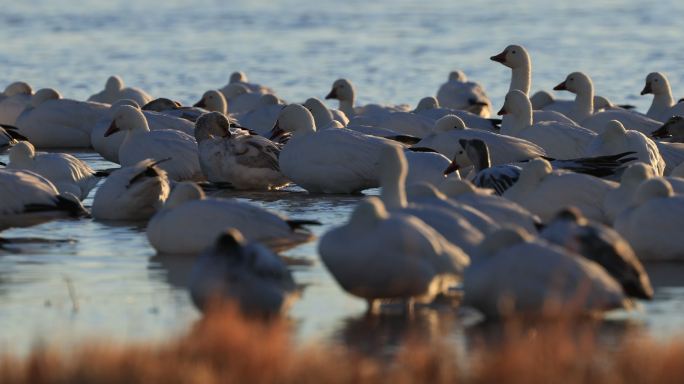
240 99
116 90
140 143
430 107
213 101
247 273
13 100
262 118
517 274
663 106
459 93
504 149
323 115
244 161
28 199
66 172
583 108
377 255
603 245
653 223
344 91
545 192
614 139
53 122
450 224
241 78
543 100
402 123
108 147
559 140
132 193
503 211
188 223
516 58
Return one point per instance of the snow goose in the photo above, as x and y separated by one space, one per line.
504 149
377 255
500 177
583 109
240 99
426 194
244 161
430 107
503 211
213 101
249 274
344 91
28 199
663 106
545 192
402 123
66 172
115 90
619 199
13 100
559 140
616 139
172 108
653 223
543 99
459 93
517 58
53 122
517 274
9 137
450 224
241 79
672 131
188 223
132 193
603 245
323 115
108 147
140 143
262 118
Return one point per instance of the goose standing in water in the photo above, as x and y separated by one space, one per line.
583 108
517 274
140 143
248 273
459 93
132 193
377 255
559 140
244 161
663 106
188 223
601 244
116 90
65 171
28 199
653 223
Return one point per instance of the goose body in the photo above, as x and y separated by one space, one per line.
13 100
116 90
430 107
459 93
263 117
344 91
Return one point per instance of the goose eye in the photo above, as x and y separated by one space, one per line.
460 152
656 80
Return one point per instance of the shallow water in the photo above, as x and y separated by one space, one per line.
395 52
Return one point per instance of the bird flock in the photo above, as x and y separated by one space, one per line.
558 202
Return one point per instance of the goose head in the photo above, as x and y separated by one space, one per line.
448 123
43 95
21 153
184 192
368 213
614 129
234 90
295 120
127 118
269 99
342 89
213 101
502 239
114 84
238 77
212 124
535 170
657 84
514 56
657 187
426 104
18 88
460 160
161 104
635 174
320 112
458 75
515 103
575 82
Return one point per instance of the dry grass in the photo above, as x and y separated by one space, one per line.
227 348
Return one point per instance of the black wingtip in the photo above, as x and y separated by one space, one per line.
299 223
421 149
405 139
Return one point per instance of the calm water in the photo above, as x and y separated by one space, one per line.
395 51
